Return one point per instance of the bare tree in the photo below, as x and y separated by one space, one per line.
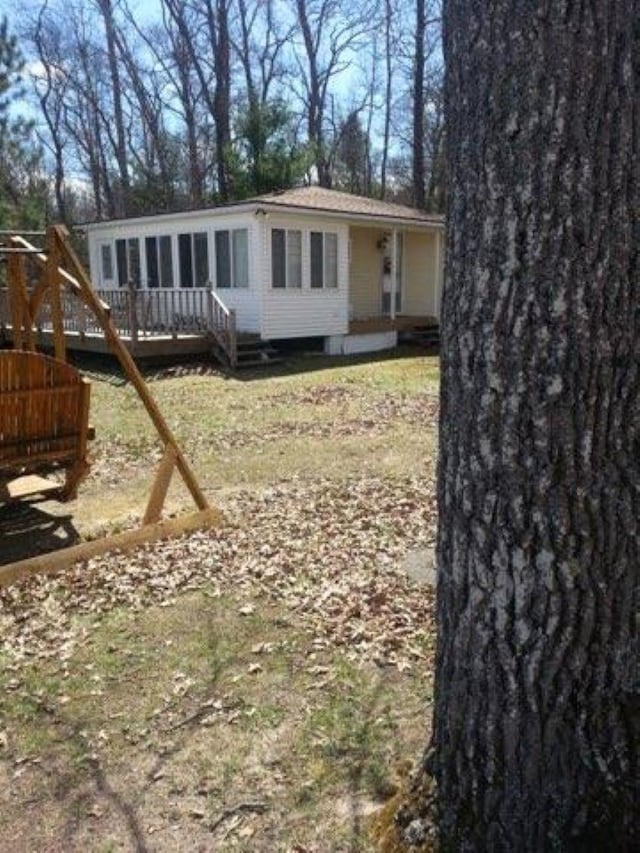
330 35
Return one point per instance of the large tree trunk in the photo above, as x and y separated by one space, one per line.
536 738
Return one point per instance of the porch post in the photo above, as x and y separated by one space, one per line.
394 272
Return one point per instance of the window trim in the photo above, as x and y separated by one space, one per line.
324 285
104 280
192 259
287 285
127 257
160 285
233 281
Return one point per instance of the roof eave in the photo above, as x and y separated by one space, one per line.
271 207
327 213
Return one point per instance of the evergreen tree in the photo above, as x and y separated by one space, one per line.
23 190
266 154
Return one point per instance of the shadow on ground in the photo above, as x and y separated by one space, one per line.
104 368
28 530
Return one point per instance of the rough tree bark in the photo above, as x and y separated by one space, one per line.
536 736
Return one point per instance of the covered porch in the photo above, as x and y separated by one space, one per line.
395 278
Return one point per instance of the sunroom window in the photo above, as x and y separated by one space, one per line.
286 258
128 262
193 256
159 261
232 258
323 254
106 263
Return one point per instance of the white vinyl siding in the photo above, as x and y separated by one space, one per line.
305 311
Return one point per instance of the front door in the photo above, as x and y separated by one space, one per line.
387 272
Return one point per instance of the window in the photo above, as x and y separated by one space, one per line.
323 248
159 262
193 257
128 262
106 260
232 258
286 258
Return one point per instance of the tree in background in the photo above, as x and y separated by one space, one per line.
266 155
23 192
536 742
164 111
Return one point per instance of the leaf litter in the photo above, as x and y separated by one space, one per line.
329 552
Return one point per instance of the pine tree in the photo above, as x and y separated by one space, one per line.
23 190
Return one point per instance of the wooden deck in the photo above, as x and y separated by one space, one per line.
401 323
151 323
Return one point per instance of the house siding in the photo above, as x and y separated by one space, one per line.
365 273
245 301
293 313
421 274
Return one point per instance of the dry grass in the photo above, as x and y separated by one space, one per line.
214 718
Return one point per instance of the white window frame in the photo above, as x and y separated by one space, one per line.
192 248
233 282
325 286
158 237
127 242
104 281
288 287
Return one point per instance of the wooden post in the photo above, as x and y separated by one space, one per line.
14 264
55 299
233 339
81 319
133 312
210 310
394 273
160 486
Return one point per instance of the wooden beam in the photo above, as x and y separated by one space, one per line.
128 364
160 486
52 278
40 289
58 561
15 299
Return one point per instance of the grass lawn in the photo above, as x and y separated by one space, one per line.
257 687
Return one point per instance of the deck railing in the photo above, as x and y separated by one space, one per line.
144 314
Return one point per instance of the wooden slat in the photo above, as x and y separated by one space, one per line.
25 487
15 266
60 560
55 298
160 486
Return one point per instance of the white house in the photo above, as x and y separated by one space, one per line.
306 262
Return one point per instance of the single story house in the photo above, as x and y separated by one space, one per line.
301 263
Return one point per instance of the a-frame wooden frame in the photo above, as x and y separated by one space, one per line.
61 267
